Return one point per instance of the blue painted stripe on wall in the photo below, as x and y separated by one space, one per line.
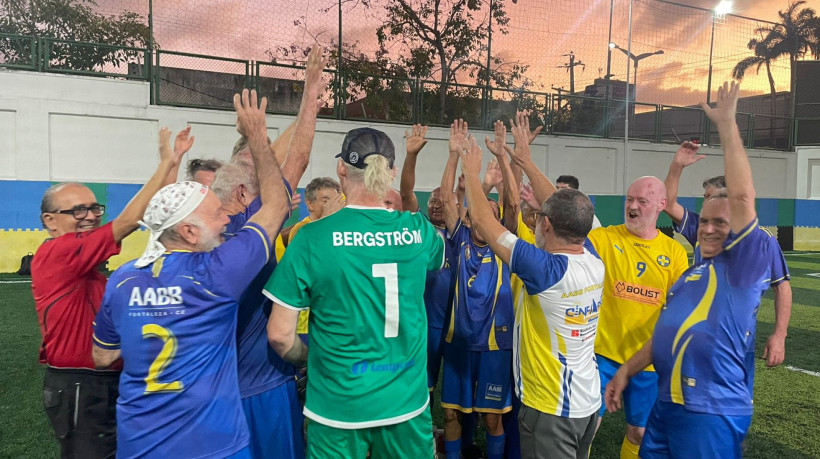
806 213
689 203
119 194
767 211
24 204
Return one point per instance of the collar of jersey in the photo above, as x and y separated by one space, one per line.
350 206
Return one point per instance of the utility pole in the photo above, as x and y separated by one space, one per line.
570 66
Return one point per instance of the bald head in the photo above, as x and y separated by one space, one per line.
645 200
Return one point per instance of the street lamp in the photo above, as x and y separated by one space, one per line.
635 59
721 10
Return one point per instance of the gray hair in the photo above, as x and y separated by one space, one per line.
570 212
233 174
717 182
196 165
320 183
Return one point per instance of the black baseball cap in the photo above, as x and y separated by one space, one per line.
363 142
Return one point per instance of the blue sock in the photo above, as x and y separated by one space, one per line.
495 446
452 448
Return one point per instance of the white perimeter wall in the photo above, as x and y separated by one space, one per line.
58 127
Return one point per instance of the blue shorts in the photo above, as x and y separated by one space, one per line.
477 381
675 432
435 352
275 423
639 396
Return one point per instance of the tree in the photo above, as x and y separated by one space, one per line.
73 21
442 37
794 36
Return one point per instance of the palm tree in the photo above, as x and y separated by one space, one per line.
794 36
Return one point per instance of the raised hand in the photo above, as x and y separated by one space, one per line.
535 131
726 105
415 139
250 114
493 176
687 154
528 196
521 135
165 151
314 69
295 201
458 136
471 157
496 147
183 142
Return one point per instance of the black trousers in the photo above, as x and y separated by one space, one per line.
82 407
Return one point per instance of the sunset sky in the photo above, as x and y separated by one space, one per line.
540 32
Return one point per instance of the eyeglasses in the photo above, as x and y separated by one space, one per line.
80 212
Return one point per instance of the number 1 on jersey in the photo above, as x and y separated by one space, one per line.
390 273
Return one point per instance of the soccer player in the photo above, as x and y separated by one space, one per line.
67 287
641 265
203 170
323 197
171 314
266 382
392 200
440 285
699 345
687 222
362 272
478 349
554 362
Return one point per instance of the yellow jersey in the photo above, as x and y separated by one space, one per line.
639 273
304 315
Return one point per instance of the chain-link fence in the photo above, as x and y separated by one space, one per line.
426 61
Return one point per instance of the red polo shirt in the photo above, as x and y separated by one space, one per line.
68 290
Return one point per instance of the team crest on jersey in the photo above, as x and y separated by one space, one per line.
663 260
467 252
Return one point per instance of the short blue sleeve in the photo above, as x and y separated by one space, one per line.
749 254
688 227
460 234
233 265
538 269
780 270
105 334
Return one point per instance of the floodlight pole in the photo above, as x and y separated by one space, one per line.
711 50
626 113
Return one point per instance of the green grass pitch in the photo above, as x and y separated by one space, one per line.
787 402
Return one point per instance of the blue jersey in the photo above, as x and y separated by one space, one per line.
688 228
701 340
440 287
260 367
175 321
481 318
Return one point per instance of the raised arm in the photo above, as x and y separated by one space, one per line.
415 141
182 144
516 169
739 182
481 214
458 137
301 141
251 122
521 155
127 221
279 146
686 155
511 197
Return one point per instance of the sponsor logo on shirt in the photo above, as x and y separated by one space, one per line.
363 366
581 315
494 392
155 302
639 293
642 245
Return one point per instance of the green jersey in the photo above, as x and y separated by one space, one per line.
362 271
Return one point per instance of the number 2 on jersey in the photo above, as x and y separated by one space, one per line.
641 266
163 359
390 273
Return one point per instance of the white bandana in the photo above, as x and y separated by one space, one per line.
168 207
